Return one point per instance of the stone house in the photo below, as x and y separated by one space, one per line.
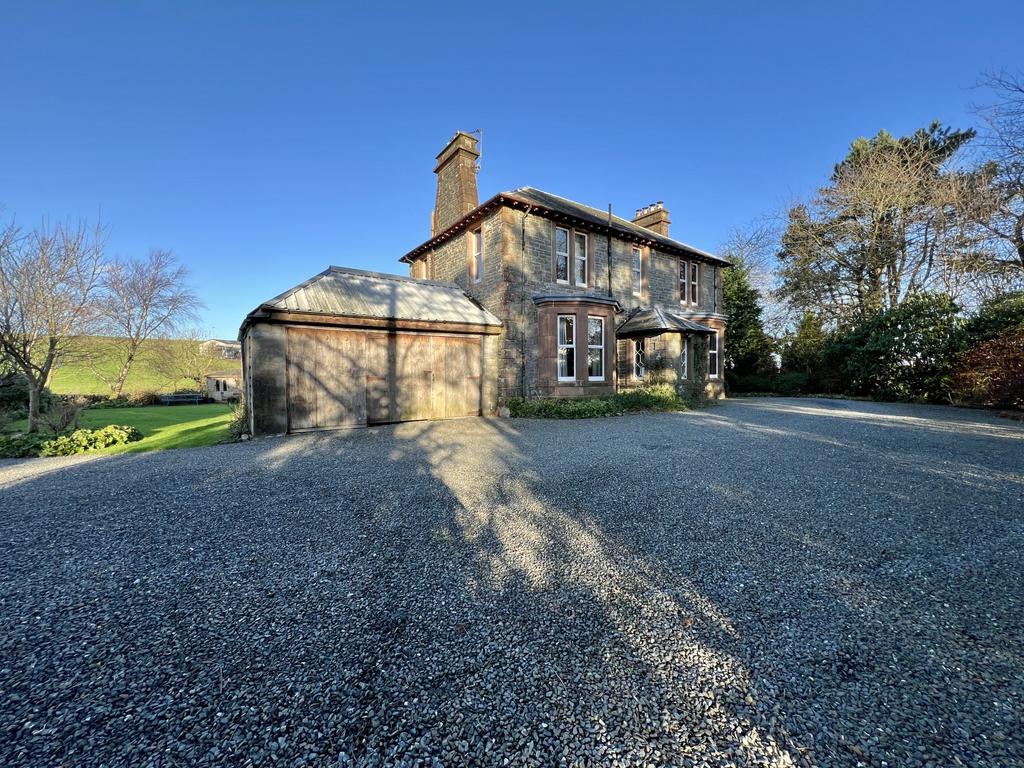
590 302
524 295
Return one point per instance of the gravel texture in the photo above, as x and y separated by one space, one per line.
765 582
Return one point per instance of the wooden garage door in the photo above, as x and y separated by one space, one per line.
351 378
325 379
416 376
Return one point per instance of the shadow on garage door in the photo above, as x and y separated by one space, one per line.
351 378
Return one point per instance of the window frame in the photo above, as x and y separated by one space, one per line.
559 346
636 270
600 347
684 281
567 253
684 357
576 259
639 353
476 254
694 283
715 352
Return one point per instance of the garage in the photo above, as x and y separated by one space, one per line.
350 349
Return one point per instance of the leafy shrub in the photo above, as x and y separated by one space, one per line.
21 446
14 393
995 317
133 400
239 420
83 440
659 397
903 353
993 372
563 408
785 384
143 399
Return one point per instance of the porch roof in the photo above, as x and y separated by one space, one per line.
654 321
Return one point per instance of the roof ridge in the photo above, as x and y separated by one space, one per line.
387 276
621 219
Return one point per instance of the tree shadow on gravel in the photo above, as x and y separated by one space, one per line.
646 590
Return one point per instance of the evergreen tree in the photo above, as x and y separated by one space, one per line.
748 349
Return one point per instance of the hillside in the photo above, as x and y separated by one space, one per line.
74 375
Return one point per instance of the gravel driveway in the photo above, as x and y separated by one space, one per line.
765 582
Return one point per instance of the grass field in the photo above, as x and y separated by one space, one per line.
162 426
75 377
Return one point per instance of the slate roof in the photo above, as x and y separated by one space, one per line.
356 293
545 203
653 321
600 218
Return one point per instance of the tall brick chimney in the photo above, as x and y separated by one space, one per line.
456 182
653 217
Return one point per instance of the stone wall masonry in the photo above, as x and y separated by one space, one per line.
519 264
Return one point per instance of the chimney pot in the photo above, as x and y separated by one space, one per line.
654 217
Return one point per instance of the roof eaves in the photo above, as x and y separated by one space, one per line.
454 229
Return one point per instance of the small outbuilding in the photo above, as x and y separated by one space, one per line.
349 348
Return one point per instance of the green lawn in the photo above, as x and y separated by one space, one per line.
164 426
73 376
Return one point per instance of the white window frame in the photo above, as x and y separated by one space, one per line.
639 358
684 358
477 240
637 270
713 354
577 260
568 260
694 283
560 345
684 281
598 347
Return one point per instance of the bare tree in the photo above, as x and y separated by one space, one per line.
888 225
998 202
754 247
141 301
49 284
184 358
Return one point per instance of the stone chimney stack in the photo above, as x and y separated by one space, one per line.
653 217
456 182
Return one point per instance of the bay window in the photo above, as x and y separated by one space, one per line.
595 349
684 358
639 358
566 347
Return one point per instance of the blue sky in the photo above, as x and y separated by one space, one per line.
262 142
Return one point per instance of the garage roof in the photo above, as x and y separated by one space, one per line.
338 291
